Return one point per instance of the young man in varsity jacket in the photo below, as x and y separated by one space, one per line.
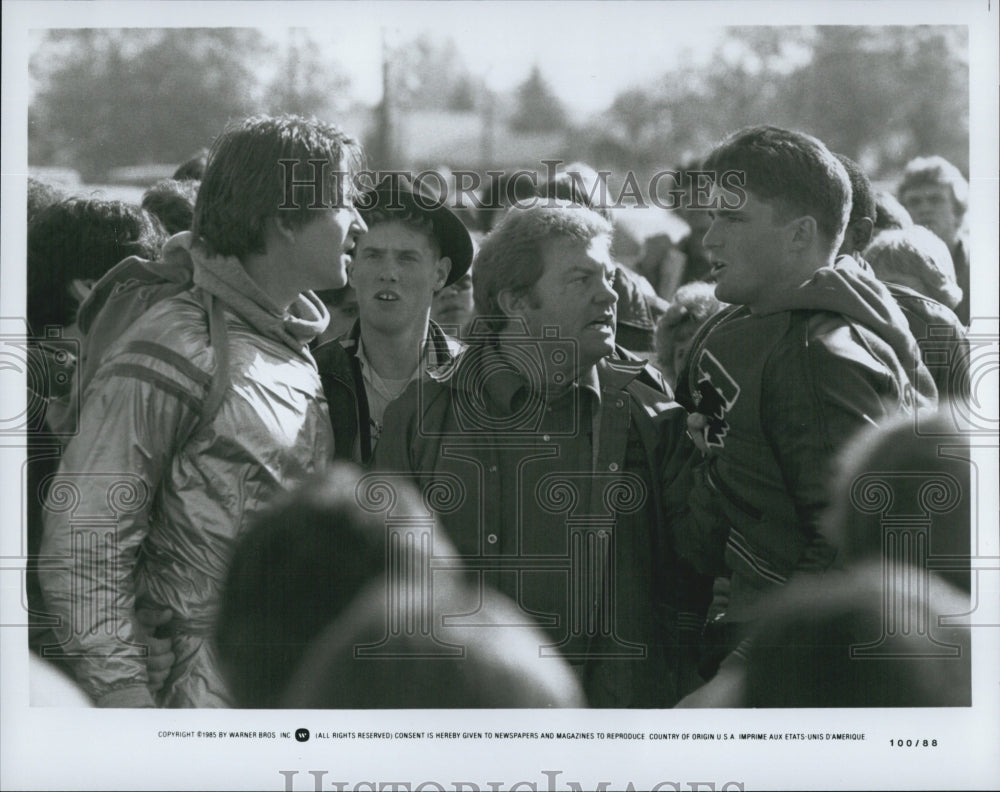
810 352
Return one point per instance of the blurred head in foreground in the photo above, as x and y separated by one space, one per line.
825 643
320 573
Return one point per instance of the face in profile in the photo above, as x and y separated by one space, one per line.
323 246
746 245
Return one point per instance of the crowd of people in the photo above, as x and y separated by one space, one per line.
304 442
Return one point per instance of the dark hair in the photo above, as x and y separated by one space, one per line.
42 195
793 170
802 653
420 224
172 203
936 170
81 238
457 665
890 213
194 167
244 182
906 465
862 195
299 565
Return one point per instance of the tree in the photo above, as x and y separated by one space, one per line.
880 95
538 108
307 82
120 97
429 75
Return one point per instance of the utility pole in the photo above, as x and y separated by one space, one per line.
386 138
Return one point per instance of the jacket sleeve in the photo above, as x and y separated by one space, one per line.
679 458
98 512
816 396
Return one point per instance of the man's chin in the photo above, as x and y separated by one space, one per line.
592 354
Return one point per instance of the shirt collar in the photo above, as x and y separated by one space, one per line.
425 357
506 383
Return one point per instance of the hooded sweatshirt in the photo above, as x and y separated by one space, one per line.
783 390
148 501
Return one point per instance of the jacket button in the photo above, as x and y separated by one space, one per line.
493 468
620 403
613 467
491 538
545 438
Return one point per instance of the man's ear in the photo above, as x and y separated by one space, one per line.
802 231
441 271
511 302
861 232
281 228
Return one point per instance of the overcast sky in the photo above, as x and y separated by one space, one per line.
589 51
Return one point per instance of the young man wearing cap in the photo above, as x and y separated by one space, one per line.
414 247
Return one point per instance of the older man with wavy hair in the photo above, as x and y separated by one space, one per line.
570 453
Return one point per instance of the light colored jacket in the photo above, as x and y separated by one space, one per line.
143 512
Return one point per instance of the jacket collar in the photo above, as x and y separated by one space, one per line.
439 348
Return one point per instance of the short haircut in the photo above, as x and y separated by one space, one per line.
298 566
172 203
413 222
511 257
890 213
923 171
193 167
863 203
693 303
792 170
499 665
81 238
902 464
919 252
800 654
244 182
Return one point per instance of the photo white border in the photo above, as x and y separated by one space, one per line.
93 749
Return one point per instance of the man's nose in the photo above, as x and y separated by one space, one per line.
710 239
359 221
607 293
389 270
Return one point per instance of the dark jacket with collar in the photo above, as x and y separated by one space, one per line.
784 390
534 517
343 384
